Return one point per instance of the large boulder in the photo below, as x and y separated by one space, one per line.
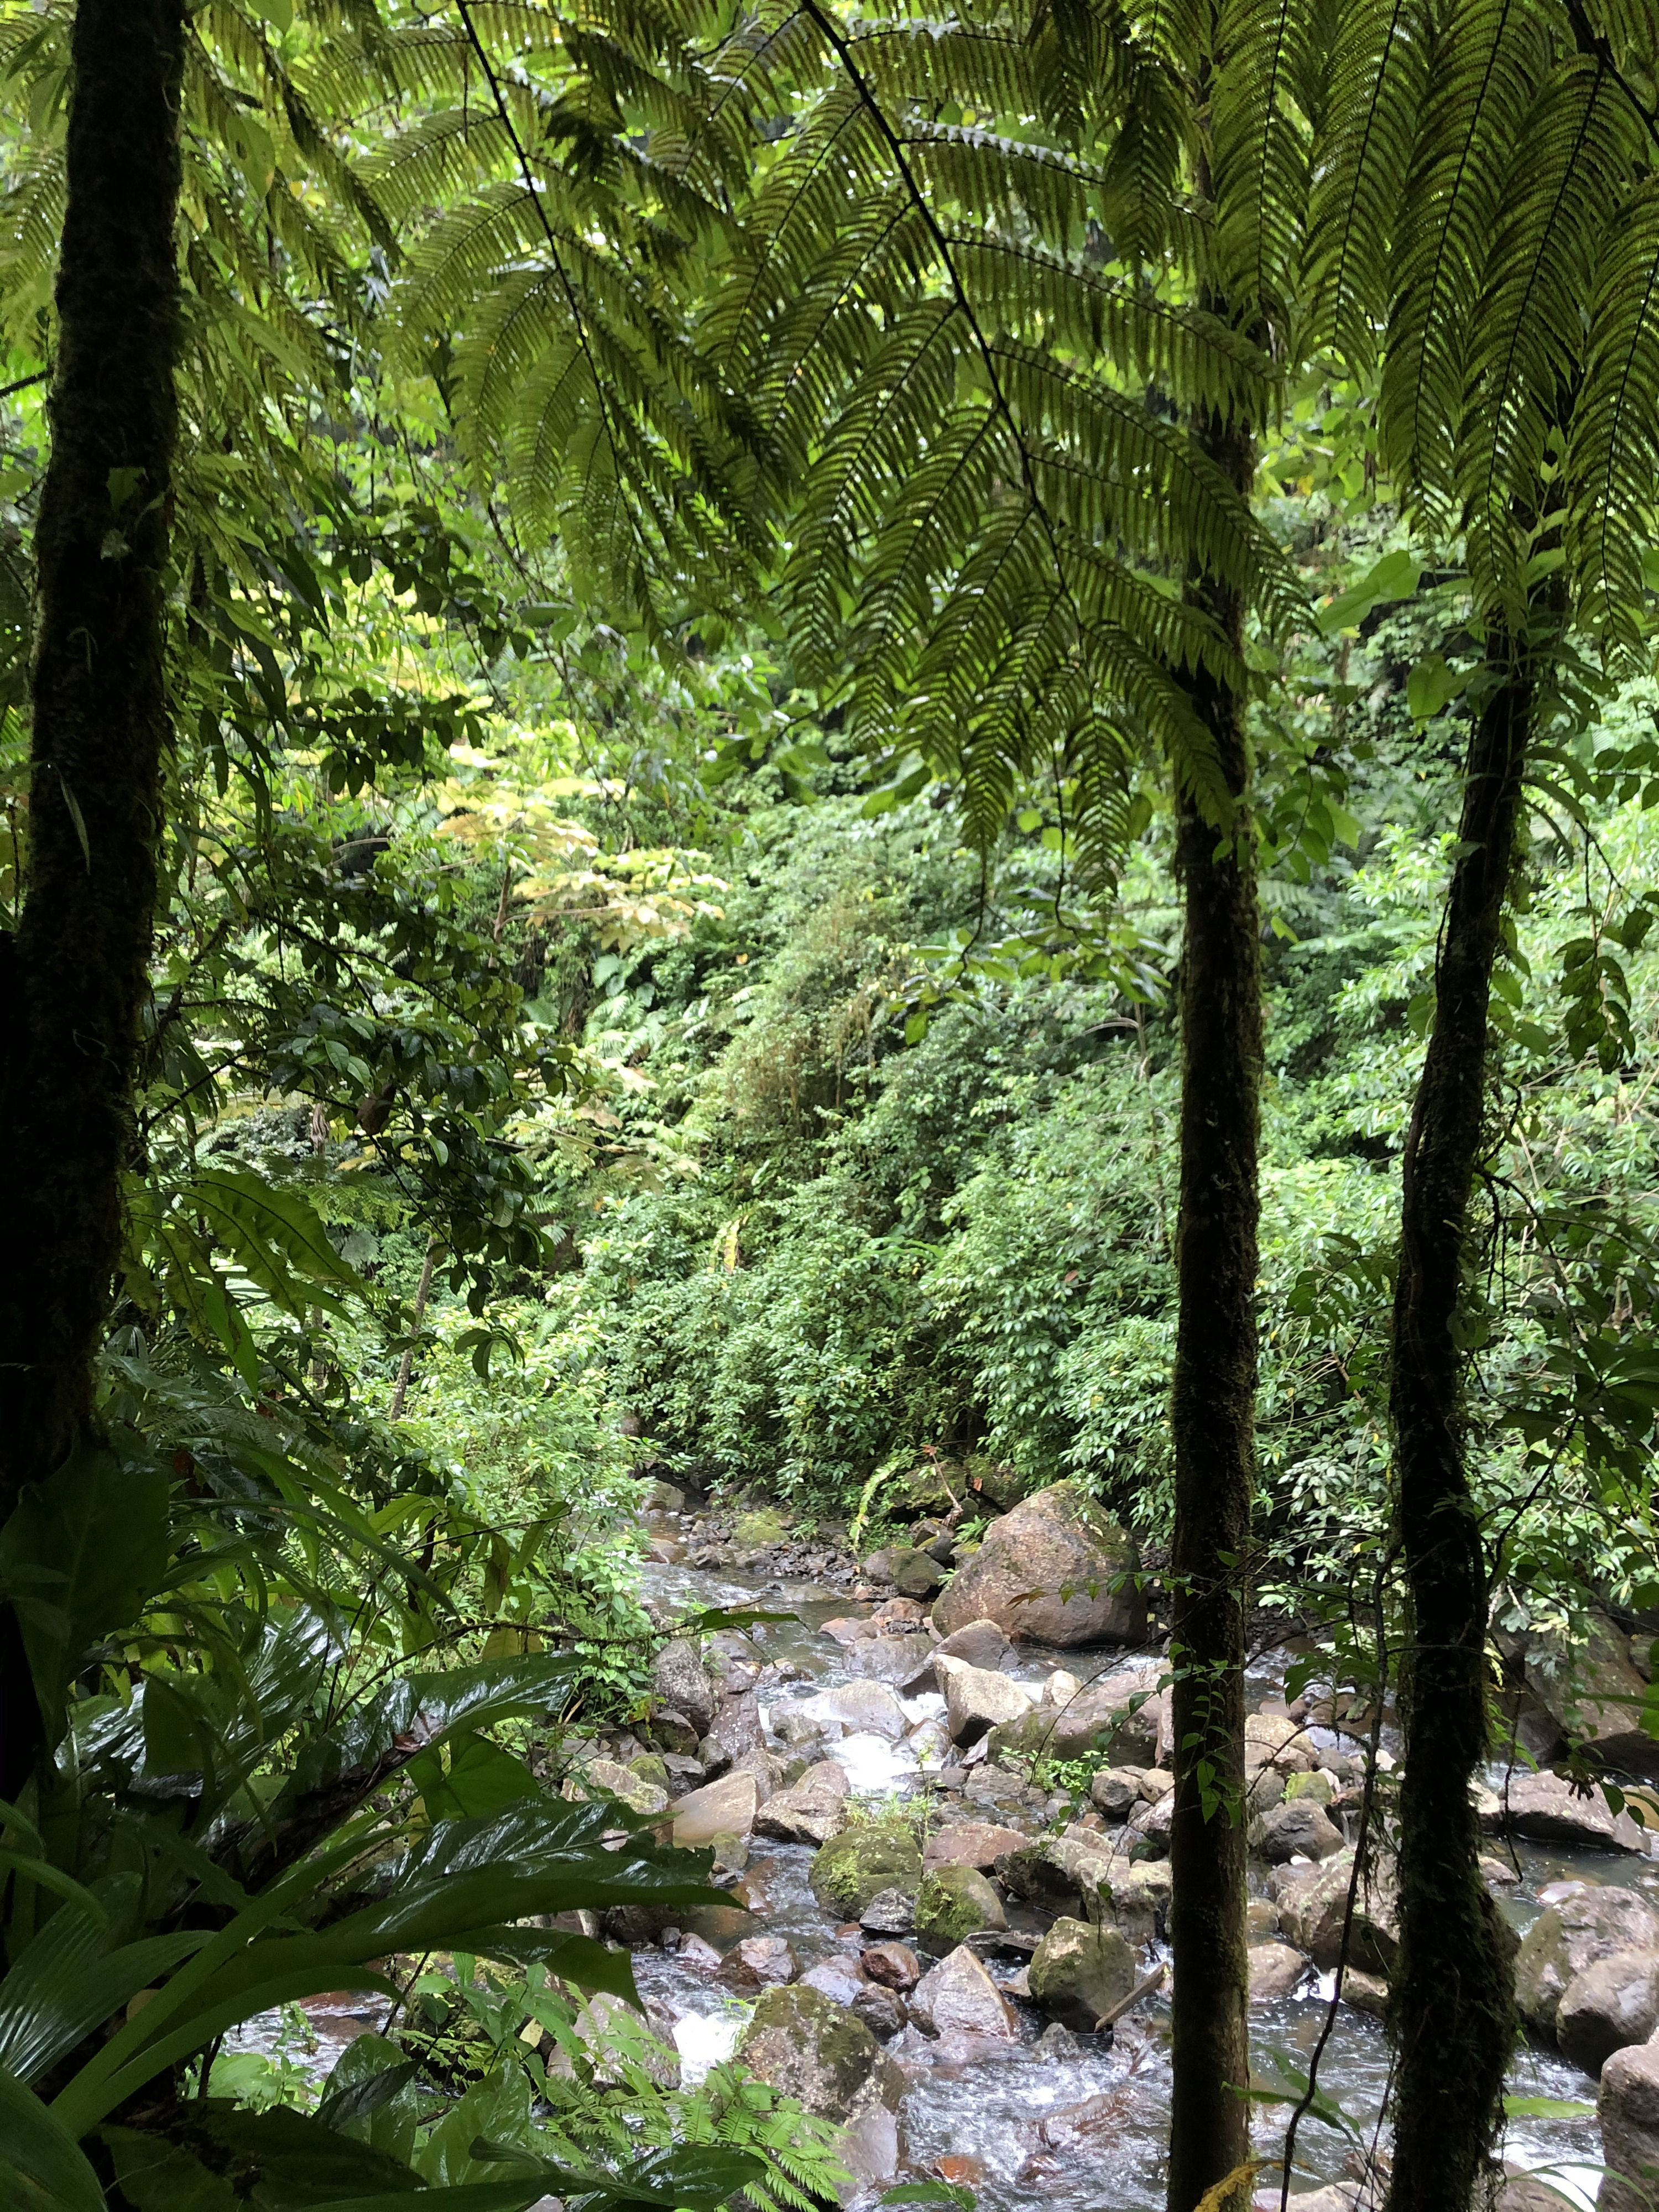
1297 1827
959 1996
1133 1896
1313 1903
759 1962
1080 1971
912 1573
808 2047
861 1861
976 1700
726 1808
1550 1811
861 1708
810 1812
734 1734
1627 2106
1116 1717
1056 1568
1593 1695
981 1642
1276 1970
1058 1875
606 1777
1588 1924
954 1902
905 1663
971 1843
681 1682
1611 2004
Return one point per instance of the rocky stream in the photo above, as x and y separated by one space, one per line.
931 1938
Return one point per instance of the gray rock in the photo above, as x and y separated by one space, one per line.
971 1843
880 2009
812 1811
1627 2106
1366 1993
975 1700
680 1681
1058 1542
905 1663
954 1902
1276 1970
861 1708
981 1642
605 1777
1592 1695
1312 1902
808 2047
1080 1971
861 1861
726 1808
1611 2002
1057 1875
837 1978
959 1996
1546 1809
759 1962
1059 2046
890 1912
1299 1825
1586 1925
1116 1791
914 1574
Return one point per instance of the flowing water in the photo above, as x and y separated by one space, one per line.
1085 2129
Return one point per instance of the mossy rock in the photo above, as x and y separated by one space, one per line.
861 1861
954 1902
1316 1786
651 1769
810 2048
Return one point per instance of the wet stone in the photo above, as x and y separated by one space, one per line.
759 1962
895 1965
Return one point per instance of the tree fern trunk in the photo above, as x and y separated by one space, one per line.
1453 1996
78 980
1213 1422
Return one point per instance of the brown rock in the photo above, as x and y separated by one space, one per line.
1545 1808
1276 1970
812 1812
981 1642
971 1843
1584 1925
959 1995
895 1966
726 1808
1627 2106
1058 1541
701 1957
975 1699
759 1962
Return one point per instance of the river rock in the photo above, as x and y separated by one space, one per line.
1593 1695
1115 1790
1058 1542
810 1813
680 1681
861 1861
895 1966
1312 1902
1298 1826
846 1632
890 1912
905 1663
1080 1971
981 1642
861 1708
971 1843
1056 1875
759 1962
1149 1826
1366 1993
1276 1970
954 1902
975 1700
808 2047
1100 1720
1546 1809
914 1574
1627 2106
837 1978
881 2010
1614 2002
959 1996
1275 1740
1134 1896
735 1734
1585 1925
621 1782
726 1808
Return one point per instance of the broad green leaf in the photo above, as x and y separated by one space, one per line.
1394 577
42 2169
1432 686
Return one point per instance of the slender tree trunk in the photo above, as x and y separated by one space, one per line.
1213 1422
1453 1996
406 1364
77 983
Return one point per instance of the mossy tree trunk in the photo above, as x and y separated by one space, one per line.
1452 2007
78 985
1213 1422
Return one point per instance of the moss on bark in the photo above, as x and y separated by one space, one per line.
1213 1418
79 983
1453 2002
